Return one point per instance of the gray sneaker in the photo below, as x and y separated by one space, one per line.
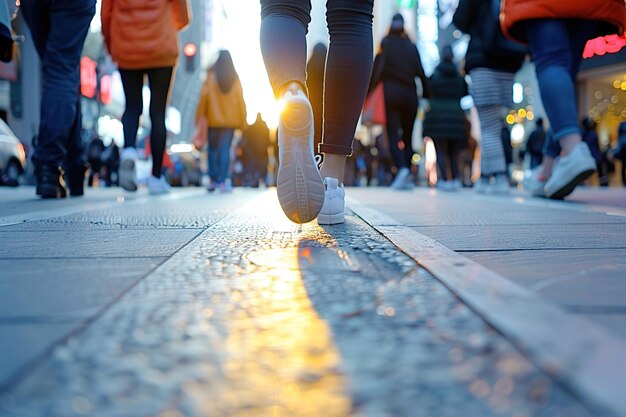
127 172
570 171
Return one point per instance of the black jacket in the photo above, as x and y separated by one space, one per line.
470 17
399 62
446 119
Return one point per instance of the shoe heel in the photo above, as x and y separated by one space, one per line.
330 219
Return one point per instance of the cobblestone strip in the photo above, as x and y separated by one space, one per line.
258 317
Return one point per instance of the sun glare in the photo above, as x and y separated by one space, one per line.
242 27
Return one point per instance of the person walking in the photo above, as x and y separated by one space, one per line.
557 33
302 193
445 122
396 66
142 38
59 29
534 144
620 150
491 69
222 109
254 143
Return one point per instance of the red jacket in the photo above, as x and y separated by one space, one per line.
143 33
612 14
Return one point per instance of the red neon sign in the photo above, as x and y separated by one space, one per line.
88 78
604 45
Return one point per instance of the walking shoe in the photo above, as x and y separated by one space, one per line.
401 178
481 185
157 186
456 185
500 185
128 172
211 187
570 171
445 185
75 179
534 183
299 183
333 210
226 186
49 182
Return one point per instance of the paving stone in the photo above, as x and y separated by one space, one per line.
260 317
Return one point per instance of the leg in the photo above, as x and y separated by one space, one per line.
440 149
159 80
453 156
132 82
213 134
223 151
393 136
408 114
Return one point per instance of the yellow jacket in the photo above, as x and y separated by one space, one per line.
219 109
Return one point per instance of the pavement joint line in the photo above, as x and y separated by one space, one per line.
579 355
535 249
64 211
22 372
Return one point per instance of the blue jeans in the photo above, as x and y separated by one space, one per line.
59 28
557 46
219 153
348 65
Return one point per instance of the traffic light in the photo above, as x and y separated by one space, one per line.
190 56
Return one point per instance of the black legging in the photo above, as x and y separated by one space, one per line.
448 154
159 80
348 65
401 108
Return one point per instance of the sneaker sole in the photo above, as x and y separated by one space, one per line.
299 184
127 175
331 219
567 189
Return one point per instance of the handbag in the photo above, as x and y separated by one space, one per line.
374 107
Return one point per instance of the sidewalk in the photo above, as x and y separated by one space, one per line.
199 304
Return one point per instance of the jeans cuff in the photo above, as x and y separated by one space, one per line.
335 149
568 130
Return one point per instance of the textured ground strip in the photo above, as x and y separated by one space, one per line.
258 317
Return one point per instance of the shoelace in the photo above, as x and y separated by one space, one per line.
318 160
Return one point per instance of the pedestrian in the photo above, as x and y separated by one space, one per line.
491 66
254 143
142 38
534 144
58 29
302 193
590 137
221 108
95 148
397 65
557 33
620 150
315 69
445 121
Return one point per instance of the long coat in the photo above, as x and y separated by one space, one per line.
446 120
611 13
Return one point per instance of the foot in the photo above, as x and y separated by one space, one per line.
500 185
481 185
128 170
401 178
158 186
570 171
49 182
212 186
75 179
535 183
299 184
226 187
333 210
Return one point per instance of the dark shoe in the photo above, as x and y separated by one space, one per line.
49 182
75 179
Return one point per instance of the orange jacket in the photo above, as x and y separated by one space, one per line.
219 109
611 12
143 33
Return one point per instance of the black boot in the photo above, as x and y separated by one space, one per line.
49 182
75 179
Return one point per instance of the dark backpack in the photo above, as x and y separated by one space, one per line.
494 40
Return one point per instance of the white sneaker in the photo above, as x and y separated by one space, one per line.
128 171
570 171
157 186
333 210
500 185
535 184
400 181
445 185
481 185
226 186
456 185
299 184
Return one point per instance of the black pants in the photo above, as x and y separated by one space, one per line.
348 65
159 80
401 108
448 156
59 28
